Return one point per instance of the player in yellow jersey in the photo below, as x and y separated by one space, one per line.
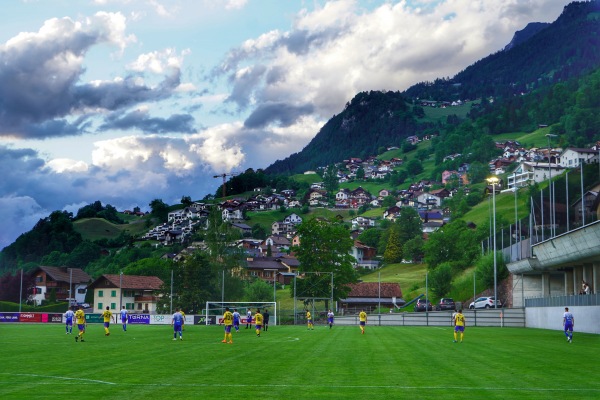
459 325
107 315
258 319
362 318
183 320
309 321
228 321
80 320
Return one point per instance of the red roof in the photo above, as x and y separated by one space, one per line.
371 289
128 282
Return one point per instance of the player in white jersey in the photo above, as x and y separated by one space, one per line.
568 324
124 318
69 315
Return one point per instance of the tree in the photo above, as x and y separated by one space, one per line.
414 167
413 249
195 282
393 249
330 180
477 172
485 269
388 201
360 173
186 200
455 243
160 210
324 247
370 237
410 224
440 280
258 291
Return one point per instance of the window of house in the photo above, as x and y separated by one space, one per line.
100 306
100 294
139 306
113 293
113 306
81 290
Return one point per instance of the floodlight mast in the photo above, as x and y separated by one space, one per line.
494 180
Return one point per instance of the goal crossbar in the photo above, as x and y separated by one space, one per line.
214 310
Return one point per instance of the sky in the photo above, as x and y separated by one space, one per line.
128 101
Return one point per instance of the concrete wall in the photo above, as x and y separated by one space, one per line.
586 318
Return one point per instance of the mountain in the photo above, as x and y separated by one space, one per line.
525 34
370 121
566 48
540 55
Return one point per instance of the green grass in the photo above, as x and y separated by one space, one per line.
98 228
289 362
436 114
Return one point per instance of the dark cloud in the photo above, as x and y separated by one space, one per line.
40 77
182 123
244 85
285 114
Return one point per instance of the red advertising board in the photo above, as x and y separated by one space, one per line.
30 317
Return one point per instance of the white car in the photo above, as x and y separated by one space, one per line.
485 302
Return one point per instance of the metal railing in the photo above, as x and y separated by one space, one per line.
564 301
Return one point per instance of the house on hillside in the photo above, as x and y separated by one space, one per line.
139 294
571 157
61 281
369 295
281 269
364 256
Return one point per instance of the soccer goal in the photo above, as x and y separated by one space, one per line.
215 309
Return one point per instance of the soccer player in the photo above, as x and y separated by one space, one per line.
124 318
568 323
80 319
266 320
330 318
259 321
69 320
309 321
183 320
362 318
236 319
107 315
459 325
177 323
248 318
228 321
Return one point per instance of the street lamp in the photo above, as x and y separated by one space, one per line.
551 191
493 181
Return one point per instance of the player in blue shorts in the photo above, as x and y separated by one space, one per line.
177 323
124 318
69 320
330 318
459 326
236 319
568 323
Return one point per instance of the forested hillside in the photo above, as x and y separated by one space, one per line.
567 48
369 122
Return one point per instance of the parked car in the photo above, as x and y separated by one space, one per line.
422 305
484 302
446 304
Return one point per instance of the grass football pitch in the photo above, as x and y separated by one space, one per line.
291 362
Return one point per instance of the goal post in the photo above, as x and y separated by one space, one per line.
215 309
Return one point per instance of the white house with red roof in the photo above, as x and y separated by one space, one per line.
139 294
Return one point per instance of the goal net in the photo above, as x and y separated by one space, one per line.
215 309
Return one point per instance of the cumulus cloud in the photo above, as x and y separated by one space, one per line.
339 49
140 119
41 91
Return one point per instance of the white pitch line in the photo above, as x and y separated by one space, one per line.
350 387
66 378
